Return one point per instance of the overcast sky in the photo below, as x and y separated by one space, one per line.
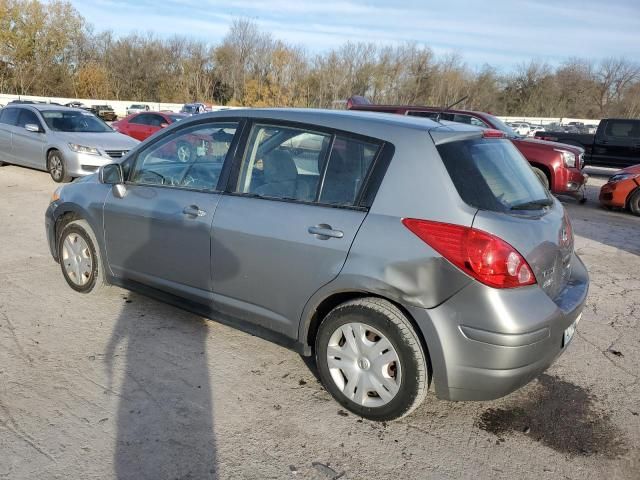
500 32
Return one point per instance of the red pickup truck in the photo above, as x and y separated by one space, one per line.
558 165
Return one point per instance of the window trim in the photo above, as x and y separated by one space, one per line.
370 184
171 134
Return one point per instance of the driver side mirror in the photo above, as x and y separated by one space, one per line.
32 127
111 174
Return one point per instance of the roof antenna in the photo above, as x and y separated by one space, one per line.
449 107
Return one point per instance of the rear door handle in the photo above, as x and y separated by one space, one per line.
194 211
325 232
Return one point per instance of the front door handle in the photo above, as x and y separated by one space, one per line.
194 211
325 232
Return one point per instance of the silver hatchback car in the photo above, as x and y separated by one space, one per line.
402 253
66 142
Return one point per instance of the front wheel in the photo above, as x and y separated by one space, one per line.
80 258
371 360
634 202
57 167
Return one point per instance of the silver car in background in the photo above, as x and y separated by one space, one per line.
401 252
66 142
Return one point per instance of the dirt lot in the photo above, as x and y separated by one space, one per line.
120 386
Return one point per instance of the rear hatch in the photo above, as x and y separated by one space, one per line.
491 175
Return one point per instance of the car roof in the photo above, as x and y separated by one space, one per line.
341 119
42 106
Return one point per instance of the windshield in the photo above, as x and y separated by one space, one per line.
189 108
492 174
72 121
503 127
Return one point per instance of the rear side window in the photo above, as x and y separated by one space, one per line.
491 174
9 116
305 165
346 170
623 128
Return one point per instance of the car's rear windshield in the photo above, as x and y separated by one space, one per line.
491 174
74 121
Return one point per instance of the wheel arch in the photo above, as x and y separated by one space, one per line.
545 169
317 313
627 201
67 213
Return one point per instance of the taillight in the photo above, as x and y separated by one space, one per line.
492 133
485 257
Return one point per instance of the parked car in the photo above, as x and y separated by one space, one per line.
193 108
142 125
558 166
105 112
623 190
137 108
616 142
534 129
413 254
66 142
521 128
76 105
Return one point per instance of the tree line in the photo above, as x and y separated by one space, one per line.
49 49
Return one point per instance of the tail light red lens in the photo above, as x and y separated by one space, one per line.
483 256
492 133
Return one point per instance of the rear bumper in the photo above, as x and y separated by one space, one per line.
485 343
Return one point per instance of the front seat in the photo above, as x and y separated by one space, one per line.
280 175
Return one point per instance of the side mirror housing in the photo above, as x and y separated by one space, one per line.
32 127
111 174
164 125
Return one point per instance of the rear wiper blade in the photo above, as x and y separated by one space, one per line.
533 204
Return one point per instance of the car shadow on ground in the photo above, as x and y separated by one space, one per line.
157 362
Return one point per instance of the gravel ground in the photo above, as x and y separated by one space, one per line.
116 385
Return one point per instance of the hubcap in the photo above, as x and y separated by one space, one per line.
364 365
55 166
76 258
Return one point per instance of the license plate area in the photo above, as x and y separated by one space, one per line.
570 331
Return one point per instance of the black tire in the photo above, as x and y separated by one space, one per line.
96 279
185 147
542 176
634 202
57 167
387 319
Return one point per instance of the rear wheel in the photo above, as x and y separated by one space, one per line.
371 360
634 202
542 176
56 167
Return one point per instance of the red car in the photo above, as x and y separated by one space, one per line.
144 124
623 190
558 165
